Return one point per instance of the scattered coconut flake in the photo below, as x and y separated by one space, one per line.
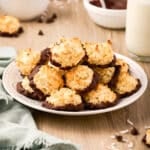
113 146
124 131
130 145
125 140
113 136
130 122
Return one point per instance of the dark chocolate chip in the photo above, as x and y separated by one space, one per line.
40 33
52 18
119 138
134 131
21 30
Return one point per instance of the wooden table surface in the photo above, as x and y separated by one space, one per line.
91 132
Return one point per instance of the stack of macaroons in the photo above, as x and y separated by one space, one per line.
72 75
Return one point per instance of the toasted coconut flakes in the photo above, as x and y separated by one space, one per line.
130 122
113 146
125 140
124 131
130 145
112 136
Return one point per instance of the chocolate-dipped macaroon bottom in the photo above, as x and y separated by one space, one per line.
15 34
100 97
64 99
36 94
110 64
91 86
102 105
69 107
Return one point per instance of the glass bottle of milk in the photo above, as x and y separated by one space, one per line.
138 29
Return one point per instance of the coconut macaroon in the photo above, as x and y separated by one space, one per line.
24 88
101 97
105 74
64 99
67 53
146 138
26 60
124 67
125 84
10 26
100 54
47 79
81 78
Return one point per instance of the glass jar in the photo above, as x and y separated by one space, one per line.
138 29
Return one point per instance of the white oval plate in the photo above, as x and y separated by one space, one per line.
11 76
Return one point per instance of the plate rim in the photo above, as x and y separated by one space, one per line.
140 92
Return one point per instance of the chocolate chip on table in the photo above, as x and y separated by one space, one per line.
40 33
47 20
119 138
21 30
134 131
52 18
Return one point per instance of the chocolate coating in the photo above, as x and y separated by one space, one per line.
92 85
102 105
33 72
45 56
68 107
36 95
15 34
111 64
144 141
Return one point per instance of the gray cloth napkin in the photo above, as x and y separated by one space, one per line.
18 130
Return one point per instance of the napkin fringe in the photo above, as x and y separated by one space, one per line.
37 144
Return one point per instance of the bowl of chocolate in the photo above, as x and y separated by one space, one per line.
107 13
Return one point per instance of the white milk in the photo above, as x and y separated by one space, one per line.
138 27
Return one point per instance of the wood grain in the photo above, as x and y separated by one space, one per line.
91 132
